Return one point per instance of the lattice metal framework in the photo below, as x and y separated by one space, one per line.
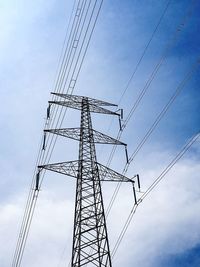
78 105
75 133
90 239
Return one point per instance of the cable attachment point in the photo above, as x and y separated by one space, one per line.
120 117
44 142
121 113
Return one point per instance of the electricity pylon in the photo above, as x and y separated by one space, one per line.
90 239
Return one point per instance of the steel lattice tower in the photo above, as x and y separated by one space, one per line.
89 222
90 239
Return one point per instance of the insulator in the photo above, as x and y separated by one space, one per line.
37 181
48 111
44 142
122 113
78 12
75 43
138 181
134 194
126 151
73 82
120 124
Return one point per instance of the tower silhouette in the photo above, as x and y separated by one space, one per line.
90 238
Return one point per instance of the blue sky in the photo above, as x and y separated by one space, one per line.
31 40
189 258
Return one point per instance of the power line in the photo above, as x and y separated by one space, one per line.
169 45
151 187
153 74
78 66
70 53
132 76
144 90
31 193
165 109
67 55
67 66
160 62
145 49
65 46
154 125
29 213
142 56
30 204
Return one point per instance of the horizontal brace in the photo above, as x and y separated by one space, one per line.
90 243
77 105
79 99
74 133
91 216
91 229
70 168
92 259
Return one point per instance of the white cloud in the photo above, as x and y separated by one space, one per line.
50 230
165 223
